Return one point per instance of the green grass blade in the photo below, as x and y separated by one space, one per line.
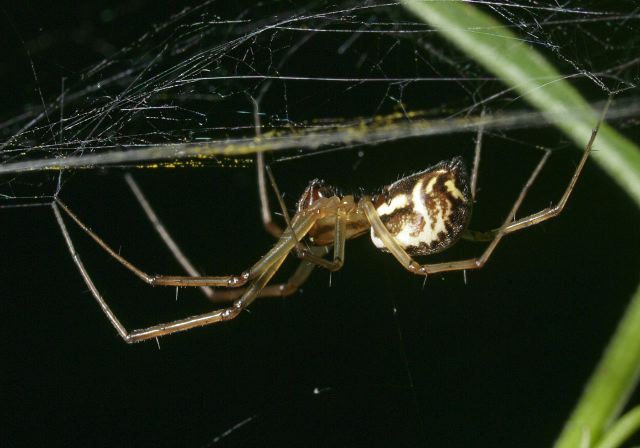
611 383
622 429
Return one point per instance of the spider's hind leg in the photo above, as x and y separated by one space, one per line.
509 225
261 273
549 212
476 159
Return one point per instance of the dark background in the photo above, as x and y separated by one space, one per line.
373 358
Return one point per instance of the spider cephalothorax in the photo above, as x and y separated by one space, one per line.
427 211
316 190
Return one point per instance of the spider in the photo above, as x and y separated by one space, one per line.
421 214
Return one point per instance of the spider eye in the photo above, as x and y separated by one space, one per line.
427 211
316 190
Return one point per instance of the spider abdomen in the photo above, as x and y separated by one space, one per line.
427 211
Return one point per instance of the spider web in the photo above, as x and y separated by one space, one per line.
344 89
320 72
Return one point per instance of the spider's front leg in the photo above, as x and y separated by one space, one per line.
229 281
340 231
310 257
293 283
258 277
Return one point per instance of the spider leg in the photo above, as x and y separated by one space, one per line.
542 215
221 315
262 272
338 247
476 159
556 209
164 234
297 279
265 210
311 258
301 225
507 227
303 252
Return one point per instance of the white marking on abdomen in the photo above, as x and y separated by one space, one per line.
407 236
451 188
418 203
430 230
398 202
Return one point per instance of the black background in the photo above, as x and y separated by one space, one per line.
372 358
